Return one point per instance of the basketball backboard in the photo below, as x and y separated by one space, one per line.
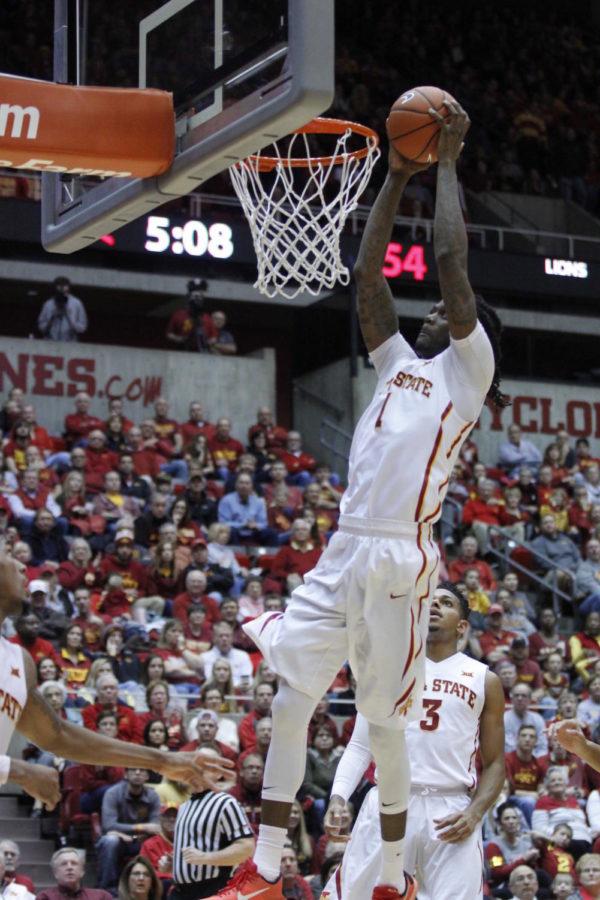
243 73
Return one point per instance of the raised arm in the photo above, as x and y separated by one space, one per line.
450 234
376 313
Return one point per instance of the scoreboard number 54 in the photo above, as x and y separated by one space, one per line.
411 263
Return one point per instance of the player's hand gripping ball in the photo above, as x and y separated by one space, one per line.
411 128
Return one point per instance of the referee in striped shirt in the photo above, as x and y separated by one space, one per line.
212 835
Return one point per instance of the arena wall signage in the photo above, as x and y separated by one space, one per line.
52 373
540 409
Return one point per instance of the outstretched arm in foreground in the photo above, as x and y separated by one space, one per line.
569 735
40 724
449 232
458 826
376 313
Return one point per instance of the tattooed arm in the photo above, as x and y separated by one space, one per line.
376 313
450 234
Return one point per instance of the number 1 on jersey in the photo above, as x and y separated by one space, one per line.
382 410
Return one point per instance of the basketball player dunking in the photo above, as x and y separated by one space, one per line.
367 598
23 707
462 710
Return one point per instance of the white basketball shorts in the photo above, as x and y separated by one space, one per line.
366 601
443 871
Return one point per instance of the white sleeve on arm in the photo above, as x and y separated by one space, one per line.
468 371
390 353
354 762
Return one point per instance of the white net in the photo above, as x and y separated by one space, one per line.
297 212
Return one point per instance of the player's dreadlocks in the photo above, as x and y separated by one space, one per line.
453 589
493 328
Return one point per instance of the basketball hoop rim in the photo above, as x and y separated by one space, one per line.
321 126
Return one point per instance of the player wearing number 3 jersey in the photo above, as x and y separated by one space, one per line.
367 599
461 712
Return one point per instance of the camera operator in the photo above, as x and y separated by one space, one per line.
63 316
188 326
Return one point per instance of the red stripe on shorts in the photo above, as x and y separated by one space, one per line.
277 615
405 695
411 648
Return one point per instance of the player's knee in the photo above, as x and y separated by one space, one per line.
291 710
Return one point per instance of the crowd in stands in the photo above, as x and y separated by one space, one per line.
526 74
147 545
535 112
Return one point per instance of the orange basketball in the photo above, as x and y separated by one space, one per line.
410 127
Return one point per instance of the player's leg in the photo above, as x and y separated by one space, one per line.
361 865
306 646
387 635
393 767
284 772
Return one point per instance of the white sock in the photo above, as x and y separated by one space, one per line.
392 870
269 848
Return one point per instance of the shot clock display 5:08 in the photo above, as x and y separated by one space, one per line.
193 238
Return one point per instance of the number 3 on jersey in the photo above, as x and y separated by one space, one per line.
432 717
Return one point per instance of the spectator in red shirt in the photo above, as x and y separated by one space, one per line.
195 425
528 671
468 560
146 460
512 516
547 639
27 627
39 435
165 428
295 559
107 700
187 325
322 719
12 853
225 450
555 857
275 435
195 595
495 641
248 789
261 702
158 849
92 624
94 781
283 500
79 424
580 524
263 730
293 885
147 526
299 464
77 570
525 772
207 724
588 874
98 461
482 511
121 562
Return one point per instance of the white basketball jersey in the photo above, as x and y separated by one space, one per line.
13 690
407 440
443 744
